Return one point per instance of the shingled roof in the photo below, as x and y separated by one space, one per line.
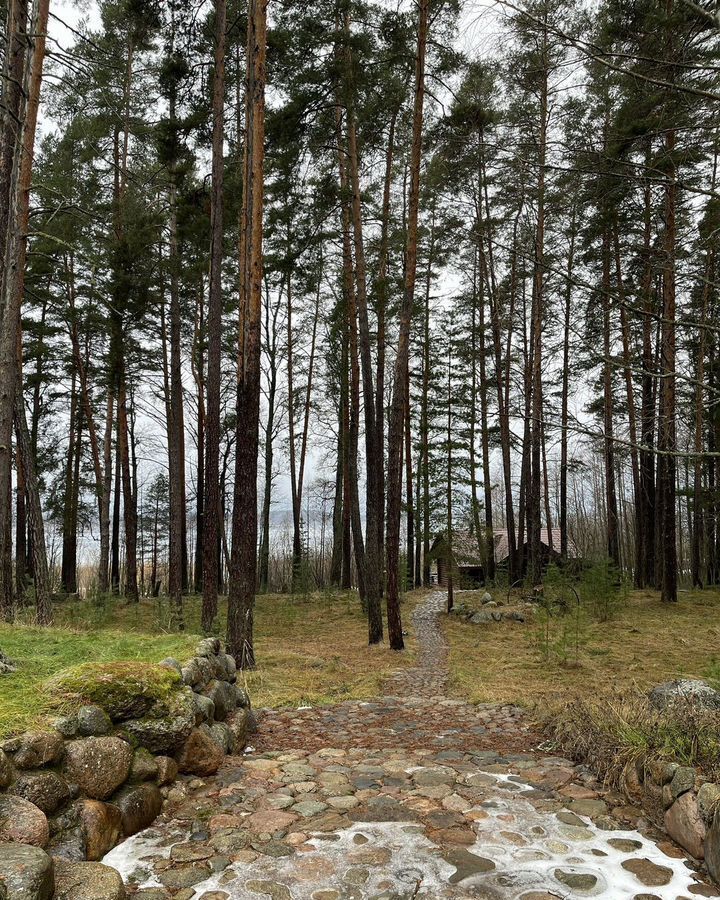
467 552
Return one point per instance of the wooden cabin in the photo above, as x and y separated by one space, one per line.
468 563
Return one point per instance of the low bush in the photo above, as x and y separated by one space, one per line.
608 734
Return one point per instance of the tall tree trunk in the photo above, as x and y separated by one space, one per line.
211 533
667 443
198 369
243 561
400 380
68 567
425 409
271 338
11 297
373 568
612 544
646 574
565 390
538 314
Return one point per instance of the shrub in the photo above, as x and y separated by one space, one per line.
610 733
603 589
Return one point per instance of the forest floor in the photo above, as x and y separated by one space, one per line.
311 650
645 643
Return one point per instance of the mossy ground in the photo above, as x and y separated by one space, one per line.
310 650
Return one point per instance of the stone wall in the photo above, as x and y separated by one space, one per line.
100 775
683 802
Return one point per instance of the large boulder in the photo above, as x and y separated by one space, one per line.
167 728
685 693
87 881
200 755
26 873
101 827
37 749
125 690
139 806
98 765
23 822
45 789
685 826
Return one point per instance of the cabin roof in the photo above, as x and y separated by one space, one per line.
467 553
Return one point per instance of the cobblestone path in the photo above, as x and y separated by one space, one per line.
414 795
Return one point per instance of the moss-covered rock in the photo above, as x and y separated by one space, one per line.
125 690
167 725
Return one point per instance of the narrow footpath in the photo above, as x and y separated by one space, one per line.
413 795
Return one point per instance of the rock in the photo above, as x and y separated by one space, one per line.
685 825
38 749
101 827
27 873
583 882
191 673
125 690
685 692
208 647
144 766
486 598
204 709
66 725
648 873
165 734
172 664
87 881
45 789
92 721
708 798
6 770
223 736
712 848
200 755
483 617
683 780
224 698
167 770
98 765
241 724
229 665
139 806
23 822
242 698
588 808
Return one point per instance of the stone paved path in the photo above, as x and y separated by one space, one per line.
414 795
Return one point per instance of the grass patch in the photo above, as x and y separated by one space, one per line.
310 651
609 734
645 643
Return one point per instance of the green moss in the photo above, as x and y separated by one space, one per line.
123 689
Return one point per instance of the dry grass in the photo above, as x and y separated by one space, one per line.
646 643
610 734
310 650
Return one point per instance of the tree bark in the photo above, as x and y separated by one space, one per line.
400 379
243 561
